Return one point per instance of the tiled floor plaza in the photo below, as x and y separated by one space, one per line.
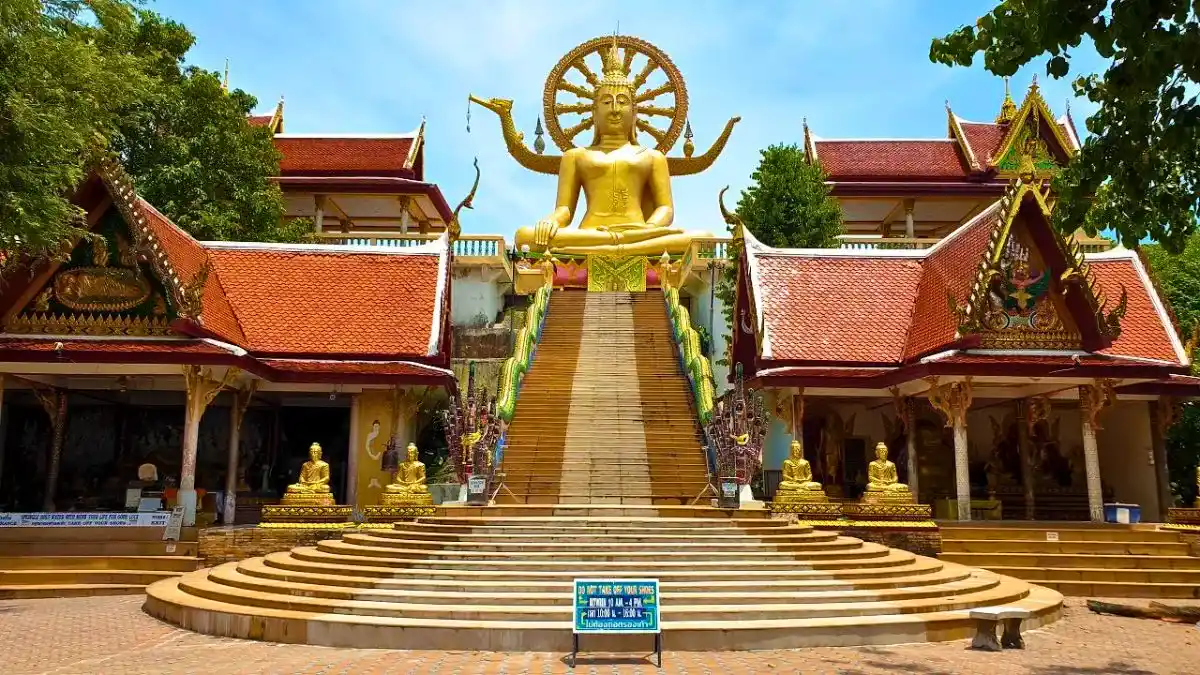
111 636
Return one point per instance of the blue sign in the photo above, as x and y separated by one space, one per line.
616 606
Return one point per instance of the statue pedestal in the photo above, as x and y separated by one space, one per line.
383 515
407 499
302 516
1183 519
808 506
307 499
888 510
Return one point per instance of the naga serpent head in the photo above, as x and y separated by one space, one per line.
501 106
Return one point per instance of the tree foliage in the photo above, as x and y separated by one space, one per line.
787 206
80 79
1178 278
1139 171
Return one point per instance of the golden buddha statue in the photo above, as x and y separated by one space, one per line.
1197 502
627 185
313 484
408 482
798 483
882 480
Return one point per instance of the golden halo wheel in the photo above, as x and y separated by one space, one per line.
659 91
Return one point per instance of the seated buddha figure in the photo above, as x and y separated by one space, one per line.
408 481
628 187
313 484
882 480
797 483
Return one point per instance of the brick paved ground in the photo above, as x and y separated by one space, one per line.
111 636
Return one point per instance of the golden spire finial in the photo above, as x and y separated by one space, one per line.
1008 109
225 82
614 68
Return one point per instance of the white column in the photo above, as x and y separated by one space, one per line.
1092 400
962 474
319 215
237 415
201 390
909 229
352 455
1091 464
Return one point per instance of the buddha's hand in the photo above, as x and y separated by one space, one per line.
543 232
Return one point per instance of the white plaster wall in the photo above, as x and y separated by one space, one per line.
471 295
1126 462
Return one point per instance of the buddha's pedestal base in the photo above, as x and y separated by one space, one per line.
888 511
383 515
407 499
824 510
307 499
887 497
307 516
1183 519
800 496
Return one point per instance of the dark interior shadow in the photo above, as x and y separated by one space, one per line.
584 661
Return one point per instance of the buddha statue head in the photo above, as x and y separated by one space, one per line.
314 452
797 450
613 112
881 451
412 452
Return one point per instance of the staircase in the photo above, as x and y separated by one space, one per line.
59 562
504 584
605 414
1100 560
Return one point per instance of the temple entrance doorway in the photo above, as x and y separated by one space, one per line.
302 422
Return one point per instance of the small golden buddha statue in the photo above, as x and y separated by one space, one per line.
313 484
882 480
408 482
628 186
798 483
1197 502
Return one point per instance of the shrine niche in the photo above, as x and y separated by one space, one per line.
102 289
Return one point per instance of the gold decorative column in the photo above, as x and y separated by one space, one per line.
237 415
201 390
1163 414
1093 398
953 399
54 402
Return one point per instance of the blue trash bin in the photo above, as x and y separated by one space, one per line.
1117 512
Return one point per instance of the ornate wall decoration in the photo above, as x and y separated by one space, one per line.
1020 310
616 273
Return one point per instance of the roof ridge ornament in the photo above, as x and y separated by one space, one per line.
1008 109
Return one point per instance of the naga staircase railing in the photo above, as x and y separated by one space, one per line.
476 428
736 433
699 373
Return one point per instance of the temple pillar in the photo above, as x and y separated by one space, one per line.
318 213
54 402
352 455
910 445
1093 399
953 399
909 228
1163 414
237 415
1026 419
201 390
3 447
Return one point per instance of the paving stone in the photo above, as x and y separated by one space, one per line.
111 636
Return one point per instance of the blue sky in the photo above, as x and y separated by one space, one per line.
854 69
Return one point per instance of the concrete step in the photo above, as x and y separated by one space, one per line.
1176 548
1102 574
988 560
97 548
65 577
1070 532
68 590
170 563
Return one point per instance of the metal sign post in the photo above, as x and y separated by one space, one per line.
616 606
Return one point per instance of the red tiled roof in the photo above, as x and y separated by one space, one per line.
984 139
313 301
948 267
187 256
260 120
390 368
892 159
312 156
837 308
1144 333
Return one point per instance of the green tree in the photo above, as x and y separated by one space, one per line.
1178 278
787 206
63 84
1139 171
83 78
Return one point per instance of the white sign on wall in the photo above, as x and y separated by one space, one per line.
91 519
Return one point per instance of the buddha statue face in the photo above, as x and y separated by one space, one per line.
412 452
314 452
881 451
797 450
612 112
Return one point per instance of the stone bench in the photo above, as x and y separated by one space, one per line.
986 621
